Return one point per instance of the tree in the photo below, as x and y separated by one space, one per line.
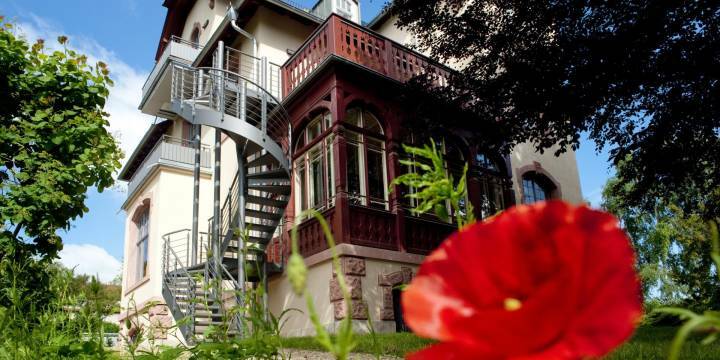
54 144
672 247
641 77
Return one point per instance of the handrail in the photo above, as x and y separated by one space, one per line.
178 39
155 155
268 116
165 55
359 45
167 254
211 69
365 30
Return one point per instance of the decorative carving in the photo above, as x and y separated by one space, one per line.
390 279
387 282
387 294
359 310
311 239
423 236
371 227
407 274
353 265
387 314
354 284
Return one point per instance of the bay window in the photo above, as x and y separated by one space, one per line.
366 160
314 174
454 164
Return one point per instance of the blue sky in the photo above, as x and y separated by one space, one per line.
124 34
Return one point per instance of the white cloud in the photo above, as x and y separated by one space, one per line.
90 260
127 123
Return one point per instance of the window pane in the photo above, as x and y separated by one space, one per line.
485 162
353 168
303 188
328 120
376 178
329 170
301 140
314 129
316 178
533 191
371 123
352 117
144 257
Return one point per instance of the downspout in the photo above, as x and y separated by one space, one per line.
232 14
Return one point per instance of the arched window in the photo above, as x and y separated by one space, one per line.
486 162
491 183
314 174
142 223
195 35
366 167
536 187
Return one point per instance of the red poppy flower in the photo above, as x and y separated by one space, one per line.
542 281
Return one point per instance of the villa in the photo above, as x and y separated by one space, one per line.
265 109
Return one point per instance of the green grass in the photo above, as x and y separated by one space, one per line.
648 343
654 343
397 344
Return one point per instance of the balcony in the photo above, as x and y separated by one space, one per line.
156 90
337 37
168 151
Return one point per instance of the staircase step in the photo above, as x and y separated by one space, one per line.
262 214
279 174
277 189
265 159
263 228
251 199
204 314
251 239
200 307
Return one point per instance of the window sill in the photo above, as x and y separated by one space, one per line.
320 210
137 284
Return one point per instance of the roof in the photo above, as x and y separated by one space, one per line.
381 17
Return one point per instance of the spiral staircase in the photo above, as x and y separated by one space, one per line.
203 279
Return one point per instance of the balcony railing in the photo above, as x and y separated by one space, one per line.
169 151
361 46
258 70
176 49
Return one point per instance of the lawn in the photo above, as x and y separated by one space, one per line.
648 343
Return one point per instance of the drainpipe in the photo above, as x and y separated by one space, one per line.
232 14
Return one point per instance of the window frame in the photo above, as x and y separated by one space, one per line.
537 181
358 135
142 244
442 145
311 149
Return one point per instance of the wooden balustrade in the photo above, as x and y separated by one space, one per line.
342 38
423 236
311 238
372 227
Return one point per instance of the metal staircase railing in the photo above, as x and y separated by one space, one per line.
250 113
176 277
232 95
